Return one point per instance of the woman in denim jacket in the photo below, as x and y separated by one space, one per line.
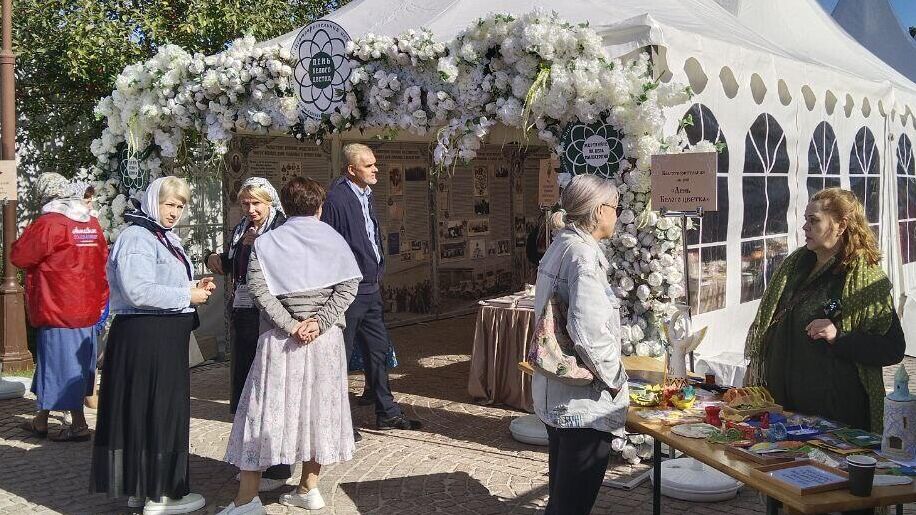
580 420
143 428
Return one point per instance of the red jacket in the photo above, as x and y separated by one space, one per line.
64 261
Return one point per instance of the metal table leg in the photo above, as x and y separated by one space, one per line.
657 476
772 506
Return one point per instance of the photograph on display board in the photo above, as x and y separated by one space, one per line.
520 227
478 248
394 243
501 172
411 298
395 211
482 206
415 173
453 251
443 199
481 181
395 181
503 248
491 248
478 227
453 230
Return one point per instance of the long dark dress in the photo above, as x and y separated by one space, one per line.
812 376
142 433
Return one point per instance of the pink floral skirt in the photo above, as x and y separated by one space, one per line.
294 406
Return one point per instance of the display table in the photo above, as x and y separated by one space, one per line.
714 455
500 343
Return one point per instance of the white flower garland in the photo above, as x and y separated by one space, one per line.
532 72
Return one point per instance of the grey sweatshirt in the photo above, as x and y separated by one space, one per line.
327 305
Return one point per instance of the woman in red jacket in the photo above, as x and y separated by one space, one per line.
63 254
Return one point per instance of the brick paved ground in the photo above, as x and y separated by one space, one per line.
464 461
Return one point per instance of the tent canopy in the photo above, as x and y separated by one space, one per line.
875 26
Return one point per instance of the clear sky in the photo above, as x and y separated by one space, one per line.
906 10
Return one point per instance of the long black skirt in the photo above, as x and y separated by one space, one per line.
142 433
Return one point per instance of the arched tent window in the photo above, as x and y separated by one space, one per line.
864 174
765 189
906 198
823 160
706 244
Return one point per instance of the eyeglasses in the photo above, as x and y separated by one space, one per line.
618 208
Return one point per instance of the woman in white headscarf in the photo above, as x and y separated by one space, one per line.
261 212
143 429
294 407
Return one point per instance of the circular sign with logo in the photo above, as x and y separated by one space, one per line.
131 175
591 148
322 69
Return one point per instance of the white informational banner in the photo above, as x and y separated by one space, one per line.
684 182
8 180
322 68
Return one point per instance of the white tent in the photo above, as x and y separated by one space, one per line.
799 102
876 27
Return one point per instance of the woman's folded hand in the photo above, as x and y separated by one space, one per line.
822 329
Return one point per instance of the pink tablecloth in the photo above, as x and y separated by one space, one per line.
500 342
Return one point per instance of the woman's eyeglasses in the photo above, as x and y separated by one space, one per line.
618 208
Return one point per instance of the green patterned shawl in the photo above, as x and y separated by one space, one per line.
866 306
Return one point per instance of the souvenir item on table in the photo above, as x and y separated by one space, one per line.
858 437
731 436
804 477
742 403
834 444
776 433
899 438
682 341
668 417
712 415
765 458
683 398
644 394
801 433
694 430
821 424
822 457
749 431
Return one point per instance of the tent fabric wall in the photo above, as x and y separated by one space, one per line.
783 64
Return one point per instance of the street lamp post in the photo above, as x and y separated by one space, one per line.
14 351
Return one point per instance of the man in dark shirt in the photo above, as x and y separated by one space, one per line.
348 209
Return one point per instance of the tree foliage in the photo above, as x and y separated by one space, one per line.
69 53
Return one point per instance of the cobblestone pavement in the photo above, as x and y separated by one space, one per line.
463 461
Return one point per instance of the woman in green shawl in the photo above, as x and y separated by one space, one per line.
826 323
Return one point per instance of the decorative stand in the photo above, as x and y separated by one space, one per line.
683 215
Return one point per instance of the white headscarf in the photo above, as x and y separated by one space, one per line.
245 223
304 254
149 201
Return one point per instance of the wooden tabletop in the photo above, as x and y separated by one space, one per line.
714 455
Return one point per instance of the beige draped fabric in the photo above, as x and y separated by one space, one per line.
500 342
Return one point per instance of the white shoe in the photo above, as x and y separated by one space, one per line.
254 507
187 504
310 501
135 502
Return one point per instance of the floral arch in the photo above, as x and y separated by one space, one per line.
536 73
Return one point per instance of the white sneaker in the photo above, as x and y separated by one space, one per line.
310 501
135 502
254 507
166 505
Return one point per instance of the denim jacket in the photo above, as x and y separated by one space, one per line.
145 278
593 323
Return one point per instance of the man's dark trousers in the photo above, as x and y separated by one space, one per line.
366 328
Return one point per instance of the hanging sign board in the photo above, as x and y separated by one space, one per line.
684 182
8 189
591 148
322 68
548 187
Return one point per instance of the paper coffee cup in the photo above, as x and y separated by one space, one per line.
861 470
